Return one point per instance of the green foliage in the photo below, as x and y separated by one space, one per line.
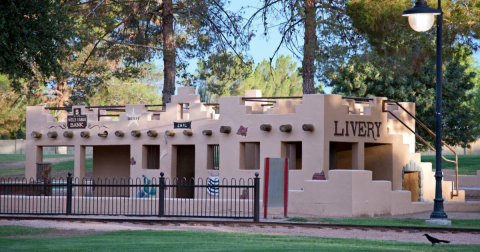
128 33
224 74
33 34
143 90
282 79
370 75
389 34
221 74
336 39
13 108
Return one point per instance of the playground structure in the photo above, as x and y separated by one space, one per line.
346 156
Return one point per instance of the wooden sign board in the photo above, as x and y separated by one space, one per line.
77 120
276 184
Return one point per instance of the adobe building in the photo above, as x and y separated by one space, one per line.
346 156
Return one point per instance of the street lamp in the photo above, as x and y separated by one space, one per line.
421 18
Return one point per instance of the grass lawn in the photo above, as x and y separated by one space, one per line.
212 241
467 164
456 223
68 165
62 166
6 231
21 157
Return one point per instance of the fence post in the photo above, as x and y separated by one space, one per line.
69 193
256 198
161 196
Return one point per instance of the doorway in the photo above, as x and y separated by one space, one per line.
185 168
411 184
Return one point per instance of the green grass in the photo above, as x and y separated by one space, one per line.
62 166
456 223
213 241
467 164
69 165
11 171
6 231
21 157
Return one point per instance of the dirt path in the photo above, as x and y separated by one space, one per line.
21 164
91 228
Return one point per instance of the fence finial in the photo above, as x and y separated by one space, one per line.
69 174
256 174
161 174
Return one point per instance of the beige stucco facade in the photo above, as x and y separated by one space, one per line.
361 150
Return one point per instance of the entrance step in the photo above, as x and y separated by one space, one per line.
471 193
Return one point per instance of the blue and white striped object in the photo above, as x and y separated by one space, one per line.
212 185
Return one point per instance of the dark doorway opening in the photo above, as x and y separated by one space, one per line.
293 151
379 160
185 170
340 155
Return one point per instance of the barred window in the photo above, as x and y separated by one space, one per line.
151 157
213 160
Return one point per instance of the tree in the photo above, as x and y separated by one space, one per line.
327 34
370 75
143 29
13 107
224 74
283 79
398 62
388 33
33 34
221 74
144 90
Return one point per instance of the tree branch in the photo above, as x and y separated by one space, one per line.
111 42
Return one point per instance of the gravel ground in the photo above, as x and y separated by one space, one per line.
64 229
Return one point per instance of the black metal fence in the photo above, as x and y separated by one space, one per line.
164 197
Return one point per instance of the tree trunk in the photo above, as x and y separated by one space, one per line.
63 97
168 52
309 46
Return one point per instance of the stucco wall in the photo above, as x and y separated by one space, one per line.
380 145
16 146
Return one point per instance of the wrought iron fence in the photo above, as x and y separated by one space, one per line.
164 197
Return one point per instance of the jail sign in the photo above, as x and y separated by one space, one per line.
77 120
358 128
182 125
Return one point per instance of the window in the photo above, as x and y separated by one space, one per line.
183 111
151 157
213 159
250 156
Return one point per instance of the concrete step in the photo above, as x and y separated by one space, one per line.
471 193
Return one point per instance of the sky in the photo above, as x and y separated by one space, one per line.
262 47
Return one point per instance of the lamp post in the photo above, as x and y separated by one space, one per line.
421 19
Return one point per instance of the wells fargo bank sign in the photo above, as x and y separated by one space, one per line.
358 128
77 120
